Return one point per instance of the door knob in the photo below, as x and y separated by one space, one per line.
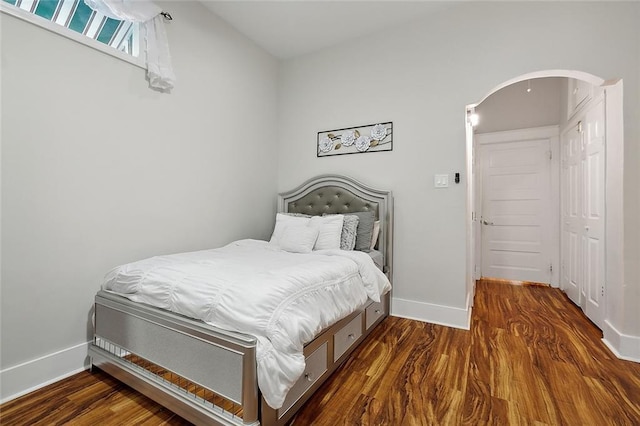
484 222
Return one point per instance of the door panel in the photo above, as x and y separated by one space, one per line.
574 263
574 188
593 272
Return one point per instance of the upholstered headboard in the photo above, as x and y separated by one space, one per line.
341 194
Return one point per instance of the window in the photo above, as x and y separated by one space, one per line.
77 16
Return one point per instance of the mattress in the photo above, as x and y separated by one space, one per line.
250 286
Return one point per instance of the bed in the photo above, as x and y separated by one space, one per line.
208 374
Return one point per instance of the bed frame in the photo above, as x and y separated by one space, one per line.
208 375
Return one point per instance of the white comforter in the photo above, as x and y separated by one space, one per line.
283 299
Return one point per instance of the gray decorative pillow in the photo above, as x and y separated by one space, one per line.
349 231
365 229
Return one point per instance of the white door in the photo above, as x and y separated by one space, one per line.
583 243
571 152
516 210
593 211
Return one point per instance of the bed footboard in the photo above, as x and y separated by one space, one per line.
208 375
202 373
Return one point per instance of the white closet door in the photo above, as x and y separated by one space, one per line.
593 245
583 203
571 149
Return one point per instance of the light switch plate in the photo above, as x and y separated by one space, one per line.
441 181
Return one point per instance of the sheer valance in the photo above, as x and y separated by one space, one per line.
152 32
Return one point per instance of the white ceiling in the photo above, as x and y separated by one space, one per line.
296 27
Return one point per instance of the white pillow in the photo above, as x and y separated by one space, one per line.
329 231
283 221
298 238
374 234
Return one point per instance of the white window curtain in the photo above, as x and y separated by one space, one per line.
156 46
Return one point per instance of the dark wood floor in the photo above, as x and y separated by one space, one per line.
530 357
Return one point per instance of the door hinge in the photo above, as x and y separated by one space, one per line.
551 267
550 155
602 291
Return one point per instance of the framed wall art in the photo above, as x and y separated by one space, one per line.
355 140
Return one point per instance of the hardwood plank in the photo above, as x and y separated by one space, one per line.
530 357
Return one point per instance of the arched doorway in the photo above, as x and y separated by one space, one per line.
609 297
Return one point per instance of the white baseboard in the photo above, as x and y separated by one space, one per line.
32 375
436 314
623 346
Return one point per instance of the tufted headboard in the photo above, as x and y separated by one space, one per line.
341 194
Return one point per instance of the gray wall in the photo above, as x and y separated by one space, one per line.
514 108
98 170
421 77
